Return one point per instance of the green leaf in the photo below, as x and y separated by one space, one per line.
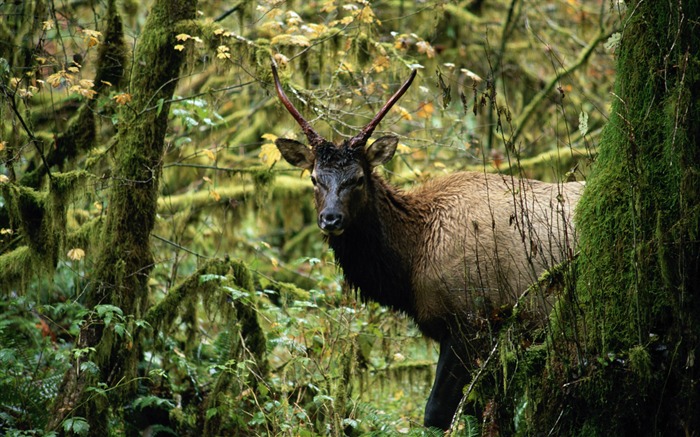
159 106
210 277
153 401
89 367
583 123
235 293
77 425
613 42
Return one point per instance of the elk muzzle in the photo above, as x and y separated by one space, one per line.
331 221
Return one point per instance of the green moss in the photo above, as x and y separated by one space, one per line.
16 269
634 269
640 362
362 48
112 54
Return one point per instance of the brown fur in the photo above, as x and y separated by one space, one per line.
458 246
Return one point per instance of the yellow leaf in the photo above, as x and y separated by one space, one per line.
471 75
92 33
403 149
329 6
179 47
403 112
315 30
291 40
122 99
293 19
73 69
222 52
2 145
182 37
47 25
381 63
24 93
348 67
55 79
269 137
76 254
426 110
215 195
4 179
210 154
281 59
425 48
5 231
269 154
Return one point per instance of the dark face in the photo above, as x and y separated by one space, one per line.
339 193
340 177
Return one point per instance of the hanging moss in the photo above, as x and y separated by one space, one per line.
17 268
28 213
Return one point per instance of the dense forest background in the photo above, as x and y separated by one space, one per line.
161 270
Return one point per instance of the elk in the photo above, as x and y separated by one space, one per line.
448 253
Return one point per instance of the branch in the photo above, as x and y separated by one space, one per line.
529 110
36 141
460 407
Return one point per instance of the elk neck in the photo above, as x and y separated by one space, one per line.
376 252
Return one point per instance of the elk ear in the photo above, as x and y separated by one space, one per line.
382 150
295 153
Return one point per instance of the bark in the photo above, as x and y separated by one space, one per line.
125 259
625 351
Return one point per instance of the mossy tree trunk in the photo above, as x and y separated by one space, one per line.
634 369
125 260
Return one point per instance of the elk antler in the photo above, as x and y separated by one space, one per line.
361 138
314 138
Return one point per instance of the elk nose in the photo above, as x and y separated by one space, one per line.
330 221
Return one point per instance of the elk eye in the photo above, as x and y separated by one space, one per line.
313 180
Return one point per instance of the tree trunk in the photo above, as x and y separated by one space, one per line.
631 367
125 261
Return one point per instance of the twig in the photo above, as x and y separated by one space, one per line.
174 244
460 407
36 141
529 110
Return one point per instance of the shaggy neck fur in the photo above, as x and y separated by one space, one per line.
376 251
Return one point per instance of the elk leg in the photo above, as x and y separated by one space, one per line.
450 378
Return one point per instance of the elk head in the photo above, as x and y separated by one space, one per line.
341 173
